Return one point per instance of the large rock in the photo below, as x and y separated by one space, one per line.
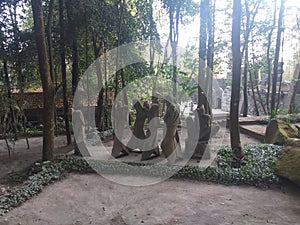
288 163
278 132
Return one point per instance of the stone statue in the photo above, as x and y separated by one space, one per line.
79 133
142 112
151 142
119 149
170 143
205 124
199 132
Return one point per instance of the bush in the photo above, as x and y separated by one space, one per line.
256 169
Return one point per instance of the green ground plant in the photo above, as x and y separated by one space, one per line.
256 170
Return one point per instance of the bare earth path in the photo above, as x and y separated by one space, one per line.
91 199
24 157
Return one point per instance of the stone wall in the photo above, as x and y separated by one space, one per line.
284 103
226 97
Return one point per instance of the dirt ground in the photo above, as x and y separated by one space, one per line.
91 199
25 157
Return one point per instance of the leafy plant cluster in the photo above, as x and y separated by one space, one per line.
37 130
49 173
256 171
34 131
95 136
290 118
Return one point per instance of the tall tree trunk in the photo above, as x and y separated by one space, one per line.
292 107
16 44
119 43
106 112
269 58
125 99
152 52
174 15
280 84
10 99
276 60
86 38
120 72
236 81
246 60
210 49
7 84
203 81
249 26
257 86
260 100
100 101
75 66
245 91
74 45
202 89
64 70
50 51
48 87
49 37
253 94
75 57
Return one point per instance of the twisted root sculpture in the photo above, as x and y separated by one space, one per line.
136 141
151 142
170 143
199 133
119 149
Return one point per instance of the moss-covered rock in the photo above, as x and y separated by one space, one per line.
288 163
279 132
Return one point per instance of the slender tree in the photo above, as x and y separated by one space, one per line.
250 22
269 61
174 8
64 70
276 61
296 89
99 66
202 51
210 49
9 95
49 37
205 55
253 94
47 84
72 30
236 81
246 62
